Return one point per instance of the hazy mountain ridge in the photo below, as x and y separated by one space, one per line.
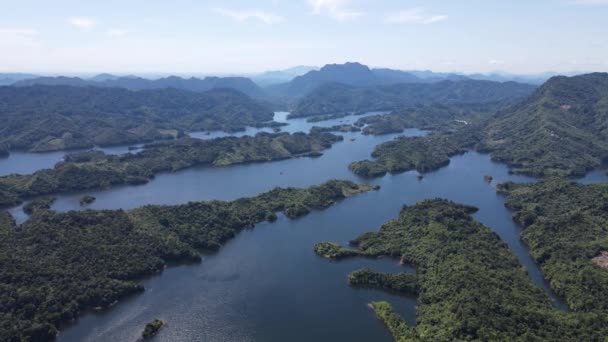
241 84
44 118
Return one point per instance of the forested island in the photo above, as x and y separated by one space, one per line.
423 154
95 170
470 286
57 265
48 118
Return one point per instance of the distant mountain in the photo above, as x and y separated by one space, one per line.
337 98
562 128
282 76
103 77
10 78
45 118
240 84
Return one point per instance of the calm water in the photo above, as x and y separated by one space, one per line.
25 163
267 284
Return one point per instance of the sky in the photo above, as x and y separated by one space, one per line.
237 36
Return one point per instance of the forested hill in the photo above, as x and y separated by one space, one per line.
44 118
337 97
562 128
242 84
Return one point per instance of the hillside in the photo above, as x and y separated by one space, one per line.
335 98
44 118
242 84
562 128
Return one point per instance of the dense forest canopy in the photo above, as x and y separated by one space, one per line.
56 265
45 118
470 286
561 129
566 228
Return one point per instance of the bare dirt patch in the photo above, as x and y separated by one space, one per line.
601 260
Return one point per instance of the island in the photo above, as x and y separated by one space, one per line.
86 200
152 328
96 170
93 258
466 276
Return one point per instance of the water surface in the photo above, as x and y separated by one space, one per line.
267 284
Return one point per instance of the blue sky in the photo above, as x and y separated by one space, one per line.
208 36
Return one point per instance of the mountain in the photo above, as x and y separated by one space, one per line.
44 118
240 84
561 129
349 73
282 76
103 77
339 98
10 78
388 76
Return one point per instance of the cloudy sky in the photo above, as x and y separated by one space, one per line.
237 36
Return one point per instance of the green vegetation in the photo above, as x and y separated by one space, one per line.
561 129
48 118
326 117
94 169
430 117
394 323
335 98
470 286
402 282
152 328
330 250
565 227
87 199
423 154
56 265
41 203
337 128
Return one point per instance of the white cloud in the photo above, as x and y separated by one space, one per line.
82 23
117 32
414 16
242 16
337 9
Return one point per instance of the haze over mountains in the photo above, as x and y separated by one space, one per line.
302 79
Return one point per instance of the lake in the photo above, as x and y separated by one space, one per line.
267 284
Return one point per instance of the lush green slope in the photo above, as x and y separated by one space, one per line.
43 118
423 154
561 129
471 287
431 117
92 170
337 98
55 265
566 227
